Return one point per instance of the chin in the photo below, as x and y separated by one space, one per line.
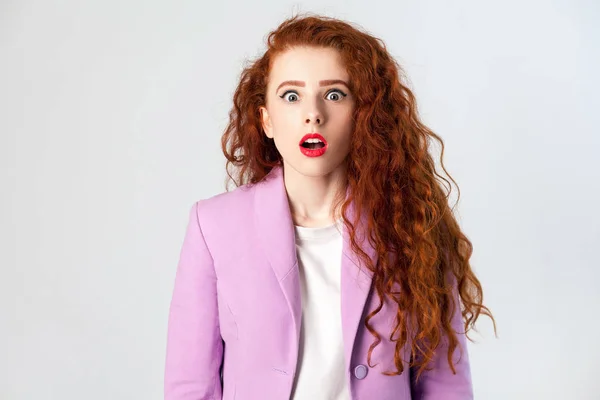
313 168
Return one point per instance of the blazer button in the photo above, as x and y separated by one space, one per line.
360 371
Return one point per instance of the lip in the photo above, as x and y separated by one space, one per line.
314 135
313 152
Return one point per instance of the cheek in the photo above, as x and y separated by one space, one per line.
341 113
282 120
343 122
284 133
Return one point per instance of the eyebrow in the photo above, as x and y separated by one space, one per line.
326 82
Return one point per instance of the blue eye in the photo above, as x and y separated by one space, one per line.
338 94
293 96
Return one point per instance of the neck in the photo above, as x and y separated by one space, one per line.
311 198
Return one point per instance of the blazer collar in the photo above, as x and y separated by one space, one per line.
276 234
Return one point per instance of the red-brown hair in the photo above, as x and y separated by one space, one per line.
390 173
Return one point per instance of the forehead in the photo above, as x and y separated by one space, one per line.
307 64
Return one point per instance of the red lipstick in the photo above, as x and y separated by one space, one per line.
313 149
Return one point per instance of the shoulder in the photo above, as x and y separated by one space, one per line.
227 209
226 201
226 218
226 212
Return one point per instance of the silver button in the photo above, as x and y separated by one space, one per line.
360 371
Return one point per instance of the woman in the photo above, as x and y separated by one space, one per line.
336 269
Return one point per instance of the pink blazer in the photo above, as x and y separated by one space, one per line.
234 320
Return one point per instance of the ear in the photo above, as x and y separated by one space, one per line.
265 120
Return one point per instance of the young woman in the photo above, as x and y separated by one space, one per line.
335 269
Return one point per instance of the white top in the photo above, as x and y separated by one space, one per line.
320 373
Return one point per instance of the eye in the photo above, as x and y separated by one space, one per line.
335 95
290 96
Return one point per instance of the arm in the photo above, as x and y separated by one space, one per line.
440 383
194 344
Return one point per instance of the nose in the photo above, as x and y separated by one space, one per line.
314 114
314 117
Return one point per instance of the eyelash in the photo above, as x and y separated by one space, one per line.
332 90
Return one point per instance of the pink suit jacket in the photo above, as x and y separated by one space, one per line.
236 310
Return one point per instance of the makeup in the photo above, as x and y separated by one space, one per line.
313 145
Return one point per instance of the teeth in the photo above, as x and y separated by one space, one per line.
313 141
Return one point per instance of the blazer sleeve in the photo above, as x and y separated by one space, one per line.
440 383
194 345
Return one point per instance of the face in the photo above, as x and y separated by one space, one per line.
308 94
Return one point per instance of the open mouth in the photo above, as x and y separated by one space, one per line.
313 144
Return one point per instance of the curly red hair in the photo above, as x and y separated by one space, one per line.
390 173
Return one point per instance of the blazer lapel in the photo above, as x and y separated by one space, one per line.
277 237
356 282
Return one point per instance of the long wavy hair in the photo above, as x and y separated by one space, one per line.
390 173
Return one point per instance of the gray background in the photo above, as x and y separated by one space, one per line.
110 122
